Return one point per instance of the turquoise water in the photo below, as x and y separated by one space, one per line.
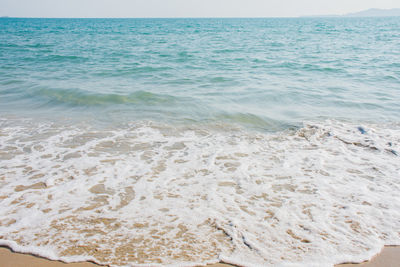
183 142
265 73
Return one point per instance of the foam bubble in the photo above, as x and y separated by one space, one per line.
158 194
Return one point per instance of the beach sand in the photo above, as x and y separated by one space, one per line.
389 257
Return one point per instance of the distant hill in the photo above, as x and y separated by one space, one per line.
376 12
372 12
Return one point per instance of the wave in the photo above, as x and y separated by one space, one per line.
128 71
57 59
76 97
148 104
323 68
252 120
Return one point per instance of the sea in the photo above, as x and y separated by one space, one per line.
184 142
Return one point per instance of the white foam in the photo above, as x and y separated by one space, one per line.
156 194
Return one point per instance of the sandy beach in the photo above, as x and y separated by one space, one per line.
389 257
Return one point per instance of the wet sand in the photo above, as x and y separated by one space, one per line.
389 257
11 259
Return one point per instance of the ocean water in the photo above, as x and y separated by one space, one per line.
258 142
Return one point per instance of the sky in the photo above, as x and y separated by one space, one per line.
185 8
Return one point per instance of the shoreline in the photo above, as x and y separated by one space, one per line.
388 257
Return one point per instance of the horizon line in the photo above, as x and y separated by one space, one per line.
280 17
222 17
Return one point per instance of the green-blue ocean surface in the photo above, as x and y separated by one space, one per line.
258 142
262 72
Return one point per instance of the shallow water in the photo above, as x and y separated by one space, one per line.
186 141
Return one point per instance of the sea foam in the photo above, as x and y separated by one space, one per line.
151 193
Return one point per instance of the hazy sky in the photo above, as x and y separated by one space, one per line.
185 8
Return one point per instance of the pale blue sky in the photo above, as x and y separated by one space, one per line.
185 8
